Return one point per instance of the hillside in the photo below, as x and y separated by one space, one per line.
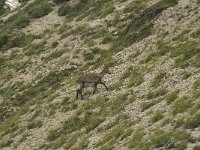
152 48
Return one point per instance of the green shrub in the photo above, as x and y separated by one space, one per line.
39 9
21 21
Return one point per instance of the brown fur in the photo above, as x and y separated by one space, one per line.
95 78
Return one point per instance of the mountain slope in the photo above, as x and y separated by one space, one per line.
152 49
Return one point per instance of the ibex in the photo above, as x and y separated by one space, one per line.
93 78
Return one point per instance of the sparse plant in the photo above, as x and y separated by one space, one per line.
54 44
6 143
55 55
35 48
179 122
197 33
158 79
181 105
185 75
136 139
53 135
34 124
172 97
136 77
39 9
157 93
192 122
157 116
168 139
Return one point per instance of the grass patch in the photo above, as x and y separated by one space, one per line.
158 115
192 122
53 135
135 75
34 124
185 75
154 56
55 55
116 86
6 143
39 9
170 139
196 34
181 105
157 93
35 48
147 105
137 139
184 52
172 97
141 26
157 80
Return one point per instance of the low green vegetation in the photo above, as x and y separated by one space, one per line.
157 116
54 55
170 139
38 9
35 48
185 75
137 139
186 52
192 122
135 76
34 124
141 26
147 105
181 105
108 115
157 93
158 79
196 34
172 97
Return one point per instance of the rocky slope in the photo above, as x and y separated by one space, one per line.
152 48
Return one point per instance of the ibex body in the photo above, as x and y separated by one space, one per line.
94 78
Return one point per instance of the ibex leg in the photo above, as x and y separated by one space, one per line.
104 85
95 87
